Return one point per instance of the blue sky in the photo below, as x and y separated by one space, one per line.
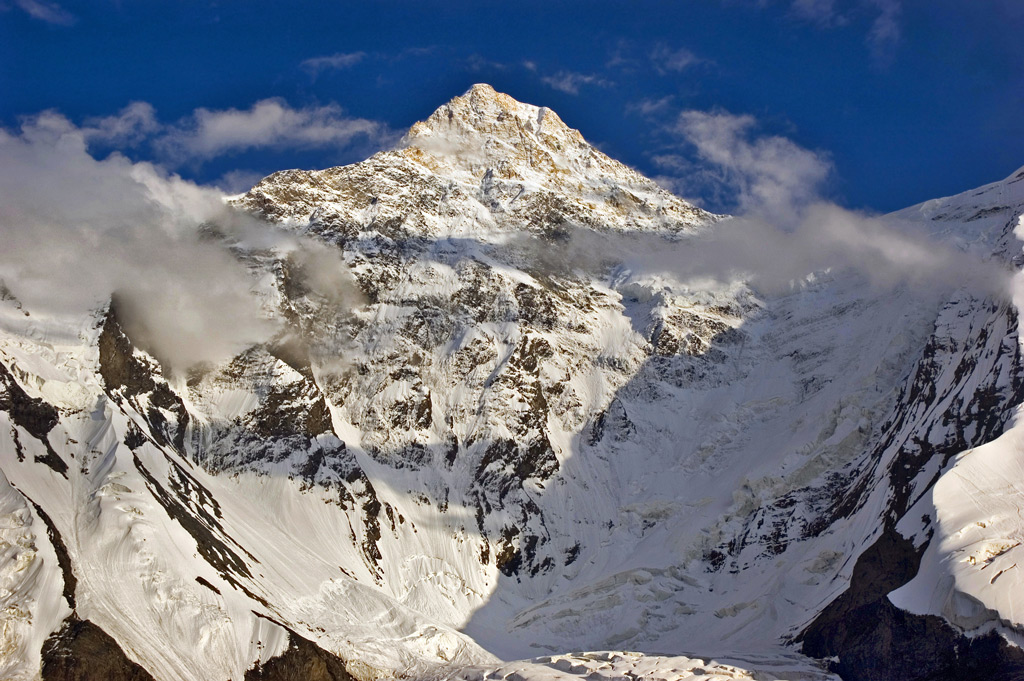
899 100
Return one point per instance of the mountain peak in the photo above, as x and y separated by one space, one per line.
518 162
482 98
484 91
482 118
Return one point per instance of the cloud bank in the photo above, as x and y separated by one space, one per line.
43 10
78 230
332 62
570 82
784 231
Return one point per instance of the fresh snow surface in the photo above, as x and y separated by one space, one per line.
971 571
609 665
30 586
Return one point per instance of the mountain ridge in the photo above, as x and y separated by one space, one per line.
458 453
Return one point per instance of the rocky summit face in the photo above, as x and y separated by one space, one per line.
476 438
483 163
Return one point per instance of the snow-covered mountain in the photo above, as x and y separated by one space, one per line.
474 441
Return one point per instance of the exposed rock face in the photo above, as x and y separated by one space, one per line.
133 376
81 651
481 441
870 639
302 661
34 415
484 150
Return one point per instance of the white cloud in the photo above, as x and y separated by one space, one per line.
129 127
268 124
784 229
77 230
570 82
49 12
776 259
821 12
238 181
206 133
650 107
769 174
333 62
666 59
672 162
784 234
884 35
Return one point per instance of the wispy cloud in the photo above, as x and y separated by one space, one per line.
666 59
784 231
770 173
208 133
476 63
78 229
346 60
570 81
267 124
421 51
649 106
884 35
821 12
129 127
332 62
49 12
623 56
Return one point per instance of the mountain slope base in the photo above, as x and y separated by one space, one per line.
302 661
873 640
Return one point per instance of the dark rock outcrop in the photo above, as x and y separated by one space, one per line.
81 651
34 415
303 661
130 376
870 639
63 558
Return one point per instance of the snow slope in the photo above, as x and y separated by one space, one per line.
970 524
969 570
471 450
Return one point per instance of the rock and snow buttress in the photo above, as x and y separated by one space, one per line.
494 444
